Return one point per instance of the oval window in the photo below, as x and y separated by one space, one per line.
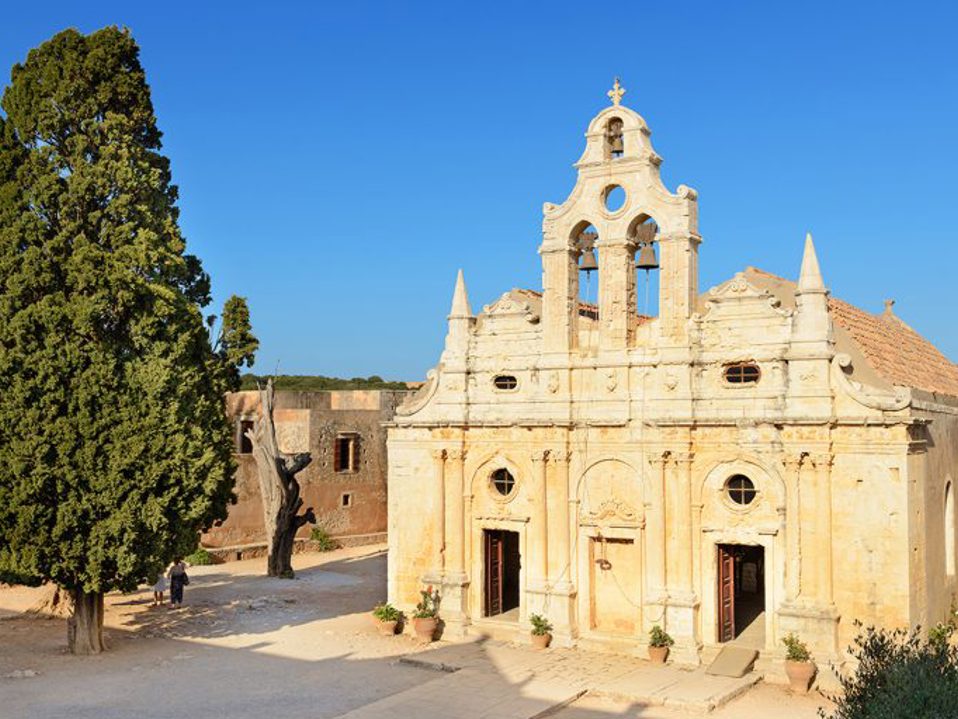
505 381
503 482
614 198
742 373
740 489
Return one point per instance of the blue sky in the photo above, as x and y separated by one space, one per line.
337 162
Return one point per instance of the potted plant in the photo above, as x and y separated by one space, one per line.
798 664
541 631
426 617
659 643
388 617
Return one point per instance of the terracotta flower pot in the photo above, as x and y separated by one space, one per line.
425 628
387 629
800 675
541 641
658 655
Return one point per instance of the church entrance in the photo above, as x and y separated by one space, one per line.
501 554
741 594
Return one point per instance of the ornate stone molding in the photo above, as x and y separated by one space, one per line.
870 397
421 398
509 306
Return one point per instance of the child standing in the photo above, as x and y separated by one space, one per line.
159 586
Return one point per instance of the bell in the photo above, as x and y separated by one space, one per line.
587 261
646 260
617 146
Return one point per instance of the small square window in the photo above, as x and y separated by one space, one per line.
346 500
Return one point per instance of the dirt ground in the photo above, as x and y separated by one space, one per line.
243 645
246 646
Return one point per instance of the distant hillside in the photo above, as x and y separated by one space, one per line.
316 383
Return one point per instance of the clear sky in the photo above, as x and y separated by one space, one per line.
337 162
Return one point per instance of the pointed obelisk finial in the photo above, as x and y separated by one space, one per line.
616 93
810 279
460 300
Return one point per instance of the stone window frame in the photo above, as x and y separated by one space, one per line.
351 465
244 422
741 366
739 507
494 491
503 375
346 500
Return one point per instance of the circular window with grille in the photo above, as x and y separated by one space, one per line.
503 482
740 489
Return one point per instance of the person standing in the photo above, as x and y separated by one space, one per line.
159 586
178 580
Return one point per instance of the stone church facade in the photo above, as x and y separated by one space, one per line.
755 460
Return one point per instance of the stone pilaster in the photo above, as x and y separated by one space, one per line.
454 606
678 285
560 277
562 591
616 294
682 604
655 598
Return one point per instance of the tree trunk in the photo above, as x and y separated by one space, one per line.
278 488
85 627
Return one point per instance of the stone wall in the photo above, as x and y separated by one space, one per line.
311 421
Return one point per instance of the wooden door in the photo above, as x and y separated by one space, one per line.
494 565
726 594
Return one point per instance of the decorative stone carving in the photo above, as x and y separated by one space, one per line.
508 305
870 397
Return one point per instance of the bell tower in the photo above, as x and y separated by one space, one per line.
619 193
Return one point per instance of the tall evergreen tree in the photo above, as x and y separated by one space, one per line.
115 449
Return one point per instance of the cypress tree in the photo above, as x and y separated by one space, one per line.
115 450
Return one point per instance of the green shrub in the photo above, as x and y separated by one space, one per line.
540 625
658 637
322 538
387 613
199 558
899 674
795 649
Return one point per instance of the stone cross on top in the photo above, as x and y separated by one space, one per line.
616 93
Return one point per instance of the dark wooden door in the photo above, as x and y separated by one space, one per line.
726 594
494 566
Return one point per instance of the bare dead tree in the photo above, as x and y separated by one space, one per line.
279 489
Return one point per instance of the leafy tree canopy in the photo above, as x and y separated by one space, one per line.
114 446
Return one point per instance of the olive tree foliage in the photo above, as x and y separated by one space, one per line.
900 674
115 449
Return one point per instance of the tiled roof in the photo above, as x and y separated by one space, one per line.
897 353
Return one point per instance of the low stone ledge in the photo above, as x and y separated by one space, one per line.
300 545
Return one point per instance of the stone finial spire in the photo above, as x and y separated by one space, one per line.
810 279
460 300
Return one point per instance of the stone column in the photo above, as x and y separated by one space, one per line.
793 526
540 520
560 279
678 284
682 612
560 569
823 505
439 484
616 294
454 603
455 518
656 539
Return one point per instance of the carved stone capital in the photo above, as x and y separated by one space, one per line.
438 454
539 455
456 455
821 460
683 457
559 455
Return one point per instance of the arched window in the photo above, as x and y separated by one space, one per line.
742 373
505 382
949 531
614 144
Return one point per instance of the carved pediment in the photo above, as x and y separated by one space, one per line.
510 306
613 508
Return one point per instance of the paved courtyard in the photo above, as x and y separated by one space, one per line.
248 646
